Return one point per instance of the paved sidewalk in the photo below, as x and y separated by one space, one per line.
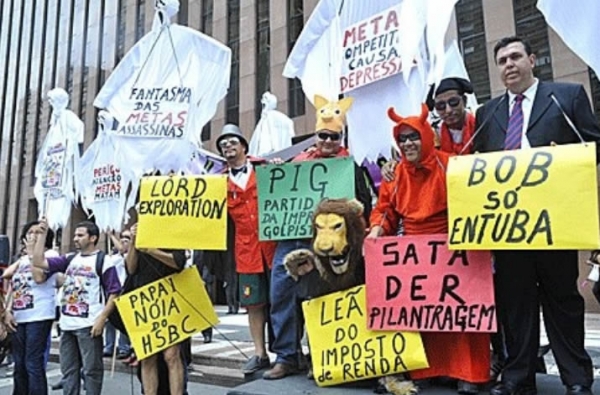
232 338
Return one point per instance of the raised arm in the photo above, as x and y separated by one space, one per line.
131 261
38 259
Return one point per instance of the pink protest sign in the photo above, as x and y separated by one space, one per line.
416 284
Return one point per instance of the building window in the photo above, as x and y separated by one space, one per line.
531 25
40 78
70 62
206 132
140 13
472 41
102 72
595 85
263 52
182 15
295 16
232 114
206 17
85 69
121 19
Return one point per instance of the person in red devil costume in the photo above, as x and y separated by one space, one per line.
417 195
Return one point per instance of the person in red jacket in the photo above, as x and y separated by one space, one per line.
458 125
417 195
253 257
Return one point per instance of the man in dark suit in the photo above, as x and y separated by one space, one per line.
528 116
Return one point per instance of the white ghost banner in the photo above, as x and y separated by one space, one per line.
376 42
57 161
274 131
166 88
100 181
577 24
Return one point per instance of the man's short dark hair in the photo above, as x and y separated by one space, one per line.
91 228
49 235
506 41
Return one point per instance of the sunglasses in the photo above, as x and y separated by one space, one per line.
414 136
332 136
232 140
452 102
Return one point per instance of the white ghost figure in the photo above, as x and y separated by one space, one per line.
57 161
165 10
274 130
165 89
100 181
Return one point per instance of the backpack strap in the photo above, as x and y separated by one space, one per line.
100 256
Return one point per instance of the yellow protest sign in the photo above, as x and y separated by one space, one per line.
540 198
344 350
183 212
166 312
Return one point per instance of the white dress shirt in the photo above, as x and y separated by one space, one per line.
241 178
527 105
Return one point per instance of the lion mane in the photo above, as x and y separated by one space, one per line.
350 210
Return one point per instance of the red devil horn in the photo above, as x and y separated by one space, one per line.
424 114
393 116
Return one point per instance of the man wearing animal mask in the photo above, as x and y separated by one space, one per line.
417 194
286 313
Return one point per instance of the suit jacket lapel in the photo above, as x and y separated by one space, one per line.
501 114
541 103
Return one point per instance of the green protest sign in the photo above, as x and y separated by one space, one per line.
288 194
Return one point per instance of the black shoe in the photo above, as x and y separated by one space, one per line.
122 355
255 364
107 354
57 386
579 390
507 389
208 338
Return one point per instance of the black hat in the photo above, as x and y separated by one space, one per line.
448 84
231 130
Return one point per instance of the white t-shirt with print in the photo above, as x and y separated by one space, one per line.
82 295
32 302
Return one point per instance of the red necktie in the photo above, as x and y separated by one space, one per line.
514 131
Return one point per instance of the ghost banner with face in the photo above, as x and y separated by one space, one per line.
100 182
57 161
274 131
162 93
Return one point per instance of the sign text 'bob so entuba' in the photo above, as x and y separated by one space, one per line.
540 198
172 205
166 88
